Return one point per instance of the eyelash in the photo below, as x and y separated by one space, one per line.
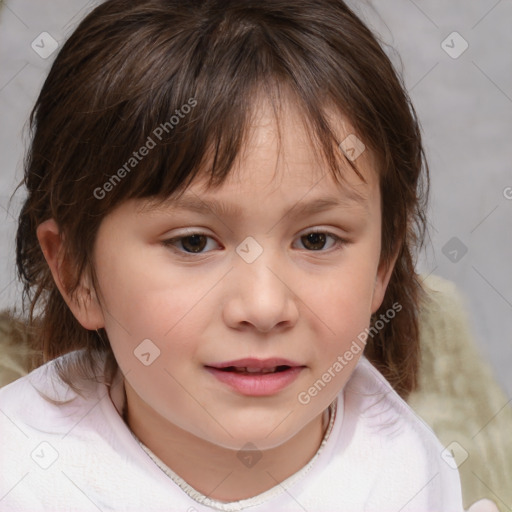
339 243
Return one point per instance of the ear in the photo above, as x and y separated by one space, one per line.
381 282
83 303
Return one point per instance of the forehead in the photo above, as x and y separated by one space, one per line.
281 158
282 131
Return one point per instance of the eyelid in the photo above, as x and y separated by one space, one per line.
187 232
339 241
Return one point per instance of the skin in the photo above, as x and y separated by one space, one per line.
291 302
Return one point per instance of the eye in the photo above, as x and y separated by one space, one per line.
194 243
200 243
317 240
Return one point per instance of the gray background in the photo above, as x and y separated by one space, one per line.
464 105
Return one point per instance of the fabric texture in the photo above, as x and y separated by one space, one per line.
379 456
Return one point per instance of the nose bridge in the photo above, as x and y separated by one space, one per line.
258 279
259 293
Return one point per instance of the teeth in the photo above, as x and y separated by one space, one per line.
249 369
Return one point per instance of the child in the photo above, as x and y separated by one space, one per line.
224 199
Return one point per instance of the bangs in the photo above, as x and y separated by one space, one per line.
175 165
182 103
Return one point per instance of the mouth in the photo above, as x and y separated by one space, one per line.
254 370
254 365
256 377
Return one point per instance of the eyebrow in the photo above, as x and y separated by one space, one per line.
194 203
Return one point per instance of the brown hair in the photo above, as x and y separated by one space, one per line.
131 65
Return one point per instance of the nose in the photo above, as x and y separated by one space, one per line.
260 297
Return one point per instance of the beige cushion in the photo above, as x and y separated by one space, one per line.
16 358
460 399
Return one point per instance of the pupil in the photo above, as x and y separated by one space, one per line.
194 243
314 241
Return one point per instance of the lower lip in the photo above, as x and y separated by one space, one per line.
262 384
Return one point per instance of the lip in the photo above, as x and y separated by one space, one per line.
264 384
256 363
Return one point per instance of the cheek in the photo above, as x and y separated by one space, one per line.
136 288
346 293
343 299
345 307
145 302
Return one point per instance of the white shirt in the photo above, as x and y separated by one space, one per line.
377 455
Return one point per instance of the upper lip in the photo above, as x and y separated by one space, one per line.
253 362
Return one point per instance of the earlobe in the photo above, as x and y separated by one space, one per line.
82 302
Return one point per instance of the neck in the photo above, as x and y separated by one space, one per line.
224 474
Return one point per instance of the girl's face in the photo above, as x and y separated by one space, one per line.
280 265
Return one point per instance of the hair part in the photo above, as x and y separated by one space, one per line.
142 63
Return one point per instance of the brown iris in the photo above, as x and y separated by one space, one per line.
194 243
314 241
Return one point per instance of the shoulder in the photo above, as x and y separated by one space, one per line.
385 419
403 452
379 407
41 399
44 437
62 450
